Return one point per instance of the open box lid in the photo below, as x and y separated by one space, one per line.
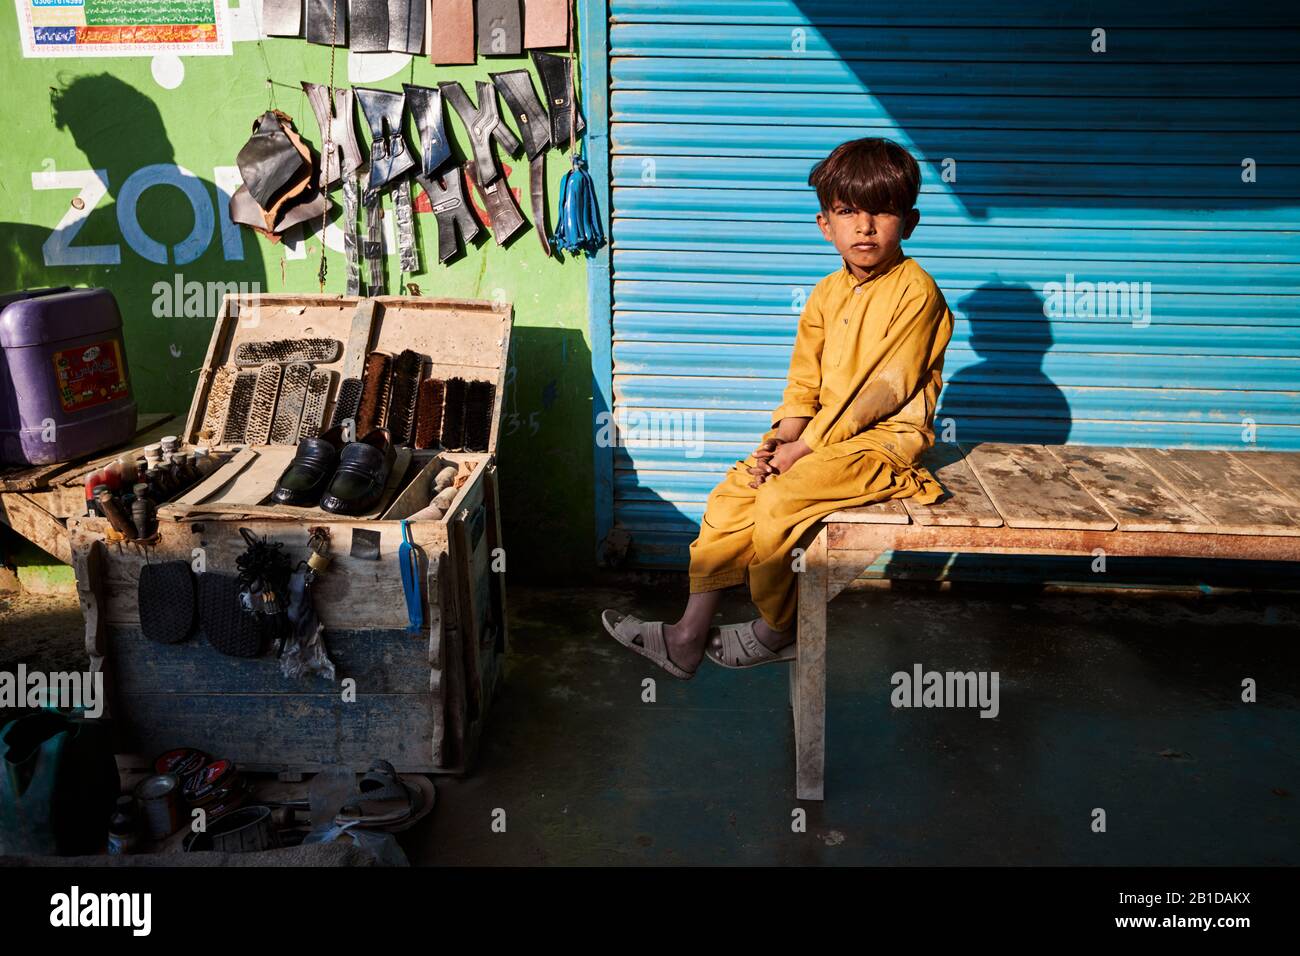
458 338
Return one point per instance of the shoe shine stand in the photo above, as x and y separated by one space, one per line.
420 698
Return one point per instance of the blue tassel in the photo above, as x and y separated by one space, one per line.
577 226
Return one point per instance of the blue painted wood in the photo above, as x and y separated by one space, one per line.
593 26
1117 168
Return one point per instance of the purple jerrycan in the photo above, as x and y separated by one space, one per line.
65 391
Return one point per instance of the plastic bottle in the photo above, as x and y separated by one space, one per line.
123 835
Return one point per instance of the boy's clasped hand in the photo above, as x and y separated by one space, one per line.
776 456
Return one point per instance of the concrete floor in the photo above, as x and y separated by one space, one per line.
1127 703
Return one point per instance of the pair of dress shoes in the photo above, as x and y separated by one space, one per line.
343 479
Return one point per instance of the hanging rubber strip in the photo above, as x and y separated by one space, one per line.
546 23
483 123
408 557
319 15
500 28
447 198
425 104
407 251
373 248
500 205
537 193
557 80
282 18
449 33
337 131
351 196
516 88
406 26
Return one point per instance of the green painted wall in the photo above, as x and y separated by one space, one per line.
111 114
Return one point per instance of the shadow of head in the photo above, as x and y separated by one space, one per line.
112 122
1006 317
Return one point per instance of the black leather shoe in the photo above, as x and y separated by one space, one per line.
308 475
362 473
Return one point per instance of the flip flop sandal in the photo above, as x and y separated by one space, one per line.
423 797
382 798
165 596
653 647
741 648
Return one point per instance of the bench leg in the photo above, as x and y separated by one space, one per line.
808 675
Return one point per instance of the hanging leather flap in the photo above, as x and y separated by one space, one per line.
425 105
516 88
449 33
500 28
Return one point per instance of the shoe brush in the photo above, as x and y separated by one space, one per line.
313 406
428 418
214 415
405 391
478 415
453 414
375 392
288 407
348 402
265 392
241 403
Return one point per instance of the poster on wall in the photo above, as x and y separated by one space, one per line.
123 27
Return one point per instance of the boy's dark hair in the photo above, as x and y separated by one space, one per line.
873 174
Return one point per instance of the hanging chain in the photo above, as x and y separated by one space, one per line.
327 149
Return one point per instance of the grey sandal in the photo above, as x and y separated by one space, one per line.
741 648
627 629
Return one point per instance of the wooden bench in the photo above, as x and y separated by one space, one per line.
1048 500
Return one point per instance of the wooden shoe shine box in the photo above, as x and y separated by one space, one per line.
419 698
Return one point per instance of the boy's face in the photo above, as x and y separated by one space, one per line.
865 239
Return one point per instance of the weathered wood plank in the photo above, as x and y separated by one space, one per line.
845 567
209 486
1129 490
438 592
305 732
882 512
1031 489
498 578
380 661
1229 493
1281 469
149 427
966 503
36 525
1133 544
353 593
810 674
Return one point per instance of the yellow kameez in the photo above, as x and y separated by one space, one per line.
867 368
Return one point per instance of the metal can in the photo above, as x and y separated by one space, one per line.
158 799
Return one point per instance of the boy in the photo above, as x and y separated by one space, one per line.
856 415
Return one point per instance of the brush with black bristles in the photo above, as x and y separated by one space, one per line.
428 417
453 415
405 392
478 415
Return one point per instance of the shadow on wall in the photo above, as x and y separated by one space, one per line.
1011 355
545 473
1106 102
137 224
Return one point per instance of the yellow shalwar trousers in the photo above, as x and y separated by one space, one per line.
750 533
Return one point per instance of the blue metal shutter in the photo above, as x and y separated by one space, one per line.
1071 166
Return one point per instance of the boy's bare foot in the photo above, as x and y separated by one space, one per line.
686 643
772 640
